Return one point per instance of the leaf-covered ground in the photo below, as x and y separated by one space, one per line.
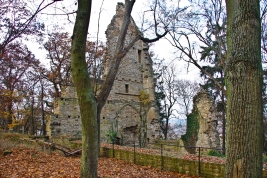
30 163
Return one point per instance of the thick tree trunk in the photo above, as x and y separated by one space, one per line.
86 99
99 109
244 90
223 123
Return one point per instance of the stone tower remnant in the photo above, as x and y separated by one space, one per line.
123 111
208 135
66 117
202 123
135 74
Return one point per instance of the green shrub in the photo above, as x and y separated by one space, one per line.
264 158
12 136
191 136
112 136
215 153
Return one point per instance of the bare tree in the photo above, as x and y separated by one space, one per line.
200 40
166 85
186 90
207 22
58 48
263 5
19 20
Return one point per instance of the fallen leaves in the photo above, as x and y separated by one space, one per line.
209 159
24 162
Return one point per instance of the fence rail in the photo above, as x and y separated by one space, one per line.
169 157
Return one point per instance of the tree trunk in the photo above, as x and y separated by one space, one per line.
32 118
10 113
244 90
86 99
167 128
43 111
223 123
98 114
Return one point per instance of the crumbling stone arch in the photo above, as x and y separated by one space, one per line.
127 104
128 117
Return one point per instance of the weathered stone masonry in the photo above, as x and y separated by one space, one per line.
202 123
208 135
66 118
122 110
135 74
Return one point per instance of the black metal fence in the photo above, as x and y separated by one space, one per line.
167 154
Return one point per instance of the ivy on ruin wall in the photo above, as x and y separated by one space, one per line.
191 136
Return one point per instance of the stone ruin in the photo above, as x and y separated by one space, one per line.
202 124
122 110
208 135
66 117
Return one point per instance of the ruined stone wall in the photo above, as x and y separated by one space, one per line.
66 118
208 135
201 130
122 110
134 74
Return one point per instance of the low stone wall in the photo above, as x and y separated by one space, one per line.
207 170
166 163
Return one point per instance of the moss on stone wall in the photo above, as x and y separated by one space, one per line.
191 135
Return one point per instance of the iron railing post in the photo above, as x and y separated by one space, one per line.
199 161
134 154
113 149
161 153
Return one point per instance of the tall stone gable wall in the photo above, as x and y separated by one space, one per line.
122 110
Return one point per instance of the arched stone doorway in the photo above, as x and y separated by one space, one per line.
128 124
